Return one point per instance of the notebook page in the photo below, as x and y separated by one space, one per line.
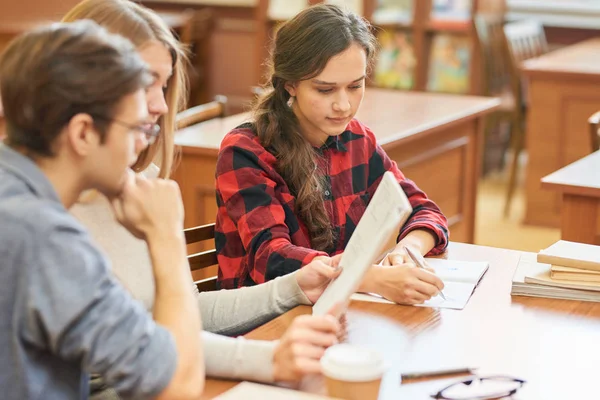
458 271
457 296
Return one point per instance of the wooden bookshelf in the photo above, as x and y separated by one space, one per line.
422 30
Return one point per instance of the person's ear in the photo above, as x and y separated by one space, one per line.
290 87
82 135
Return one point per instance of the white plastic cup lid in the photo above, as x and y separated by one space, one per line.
346 362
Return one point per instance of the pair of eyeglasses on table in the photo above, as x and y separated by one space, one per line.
480 388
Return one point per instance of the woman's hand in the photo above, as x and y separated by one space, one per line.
314 277
299 351
404 284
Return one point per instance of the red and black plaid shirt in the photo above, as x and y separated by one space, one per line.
259 237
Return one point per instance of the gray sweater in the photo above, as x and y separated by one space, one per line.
226 312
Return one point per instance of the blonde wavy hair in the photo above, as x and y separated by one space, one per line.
141 25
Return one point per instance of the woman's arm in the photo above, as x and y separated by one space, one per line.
295 355
427 220
235 312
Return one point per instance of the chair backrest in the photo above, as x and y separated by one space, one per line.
594 122
493 48
524 40
201 113
203 259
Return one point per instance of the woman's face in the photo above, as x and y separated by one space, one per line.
326 103
158 58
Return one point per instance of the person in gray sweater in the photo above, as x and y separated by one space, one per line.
228 313
77 119
61 312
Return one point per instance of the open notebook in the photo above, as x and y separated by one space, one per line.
460 280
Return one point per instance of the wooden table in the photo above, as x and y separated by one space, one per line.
564 90
553 344
434 138
578 184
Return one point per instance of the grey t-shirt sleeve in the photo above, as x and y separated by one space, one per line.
238 358
237 311
76 310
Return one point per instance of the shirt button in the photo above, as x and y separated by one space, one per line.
327 193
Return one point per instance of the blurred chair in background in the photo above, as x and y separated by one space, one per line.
504 47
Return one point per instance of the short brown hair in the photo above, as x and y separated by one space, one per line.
49 75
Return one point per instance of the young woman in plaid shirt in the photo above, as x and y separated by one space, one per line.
293 184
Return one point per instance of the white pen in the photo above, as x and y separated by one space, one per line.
419 262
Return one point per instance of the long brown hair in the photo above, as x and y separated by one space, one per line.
302 48
141 25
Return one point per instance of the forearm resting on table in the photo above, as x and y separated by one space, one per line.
175 308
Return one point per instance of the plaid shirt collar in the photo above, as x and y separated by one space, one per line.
336 142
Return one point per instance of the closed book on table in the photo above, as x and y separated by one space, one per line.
574 274
571 254
532 279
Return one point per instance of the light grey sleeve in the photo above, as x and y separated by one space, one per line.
237 311
238 358
76 310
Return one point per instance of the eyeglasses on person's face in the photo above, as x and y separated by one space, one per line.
151 131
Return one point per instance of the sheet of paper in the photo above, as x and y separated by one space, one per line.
457 296
248 390
458 271
460 279
387 211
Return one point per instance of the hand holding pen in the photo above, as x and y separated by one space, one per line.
419 262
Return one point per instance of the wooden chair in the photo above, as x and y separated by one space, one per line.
495 82
504 47
201 113
594 122
203 259
525 40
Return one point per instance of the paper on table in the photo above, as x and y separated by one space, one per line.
248 390
460 279
387 211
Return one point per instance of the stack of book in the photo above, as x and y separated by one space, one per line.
565 270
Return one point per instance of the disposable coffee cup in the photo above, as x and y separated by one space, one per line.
352 372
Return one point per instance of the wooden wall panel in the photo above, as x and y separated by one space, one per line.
233 68
443 167
555 139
